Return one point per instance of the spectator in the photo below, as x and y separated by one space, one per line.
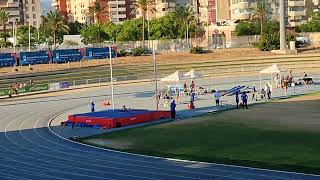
192 86
217 96
263 94
244 98
185 88
124 108
268 91
237 100
254 90
177 93
305 76
173 109
92 106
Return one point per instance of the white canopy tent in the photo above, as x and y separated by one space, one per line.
270 70
177 76
192 74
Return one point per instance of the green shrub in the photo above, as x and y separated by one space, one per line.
138 51
269 42
121 53
196 50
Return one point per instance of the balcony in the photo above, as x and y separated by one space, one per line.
296 3
294 24
241 5
117 9
116 2
297 13
242 16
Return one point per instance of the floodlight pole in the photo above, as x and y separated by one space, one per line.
155 73
282 25
111 77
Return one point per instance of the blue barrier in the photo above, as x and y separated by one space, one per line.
99 53
37 57
7 59
67 55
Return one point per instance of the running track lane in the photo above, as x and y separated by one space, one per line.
28 150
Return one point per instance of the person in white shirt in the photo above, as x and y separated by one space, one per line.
217 96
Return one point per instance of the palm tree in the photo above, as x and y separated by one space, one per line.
4 17
96 11
261 12
185 15
53 23
144 6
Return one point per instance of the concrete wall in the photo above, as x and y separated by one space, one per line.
314 38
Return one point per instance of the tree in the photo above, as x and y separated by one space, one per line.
53 24
313 25
23 36
144 6
97 10
185 15
75 28
261 12
245 28
89 34
112 30
4 17
130 30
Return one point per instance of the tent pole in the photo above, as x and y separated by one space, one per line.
260 81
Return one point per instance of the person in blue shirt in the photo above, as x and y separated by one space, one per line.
237 100
92 105
244 98
173 109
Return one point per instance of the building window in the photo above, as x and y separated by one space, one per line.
34 16
27 16
32 1
33 9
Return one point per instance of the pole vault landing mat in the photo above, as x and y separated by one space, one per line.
115 118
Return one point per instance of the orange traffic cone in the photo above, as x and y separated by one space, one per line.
106 103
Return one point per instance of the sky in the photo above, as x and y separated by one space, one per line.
45 4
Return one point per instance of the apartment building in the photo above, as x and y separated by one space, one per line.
31 12
23 12
296 12
13 7
120 10
78 10
61 6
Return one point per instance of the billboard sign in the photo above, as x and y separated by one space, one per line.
37 57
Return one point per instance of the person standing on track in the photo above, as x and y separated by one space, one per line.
237 100
217 96
92 106
173 109
244 98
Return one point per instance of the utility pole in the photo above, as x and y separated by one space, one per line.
283 45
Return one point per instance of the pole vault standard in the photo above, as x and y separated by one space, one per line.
155 73
111 77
